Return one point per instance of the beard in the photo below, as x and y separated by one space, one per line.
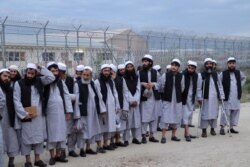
231 69
146 67
29 81
104 78
209 69
56 80
5 85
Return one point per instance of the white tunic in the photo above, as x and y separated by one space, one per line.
90 123
55 116
134 115
112 107
32 132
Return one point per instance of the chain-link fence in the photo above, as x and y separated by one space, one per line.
41 42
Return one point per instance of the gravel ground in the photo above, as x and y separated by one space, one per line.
210 152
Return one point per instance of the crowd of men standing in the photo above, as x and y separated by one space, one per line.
123 103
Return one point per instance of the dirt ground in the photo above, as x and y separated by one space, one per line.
221 151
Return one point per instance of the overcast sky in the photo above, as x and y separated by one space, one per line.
201 16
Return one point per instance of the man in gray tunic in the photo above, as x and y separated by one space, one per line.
11 142
232 82
58 109
149 94
209 93
109 95
5 101
172 86
28 96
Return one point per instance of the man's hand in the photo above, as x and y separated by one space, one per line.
151 85
67 116
200 102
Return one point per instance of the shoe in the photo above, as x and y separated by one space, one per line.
212 132
192 137
11 165
175 139
144 140
82 153
90 151
163 140
113 145
135 141
191 126
159 129
28 164
40 163
120 144
234 131
63 153
222 132
61 159
188 138
154 140
126 143
110 148
52 161
147 134
182 126
73 154
100 150
204 133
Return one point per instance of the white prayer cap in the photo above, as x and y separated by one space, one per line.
168 67
214 61
192 63
88 68
32 66
147 56
4 70
207 60
13 67
113 67
157 67
80 67
62 66
231 59
51 63
128 62
176 61
105 66
121 66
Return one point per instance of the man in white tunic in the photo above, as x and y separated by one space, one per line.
6 103
58 109
188 96
149 94
88 107
232 82
28 99
131 103
106 86
14 74
172 86
11 142
209 93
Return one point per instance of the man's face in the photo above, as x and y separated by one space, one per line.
5 77
78 73
129 67
106 72
13 73
174 67
122 71
30 73
146 63
191 69
231 65
62 74
54 71
209 65
86 75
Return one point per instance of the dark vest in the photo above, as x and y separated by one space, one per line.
168 88
144 78
187 85
84 95
47 94
206 78
226 83
26 94
69 81
104 89
119 87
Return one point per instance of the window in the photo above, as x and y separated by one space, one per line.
103 56
65 56
13 56
78 56
48 56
